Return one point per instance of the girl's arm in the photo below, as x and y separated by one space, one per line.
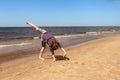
35 27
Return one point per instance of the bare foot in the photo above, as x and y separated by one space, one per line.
41 58
64 55
54 60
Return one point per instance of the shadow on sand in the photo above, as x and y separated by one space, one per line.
59 57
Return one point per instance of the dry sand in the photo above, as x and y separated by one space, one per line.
96 60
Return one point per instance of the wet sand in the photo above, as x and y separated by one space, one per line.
95 60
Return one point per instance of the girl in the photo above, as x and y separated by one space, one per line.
48 38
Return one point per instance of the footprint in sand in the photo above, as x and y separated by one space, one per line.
1 69
82 63
74 62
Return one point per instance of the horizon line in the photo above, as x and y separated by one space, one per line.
63 26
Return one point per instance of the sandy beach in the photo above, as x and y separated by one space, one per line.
95 60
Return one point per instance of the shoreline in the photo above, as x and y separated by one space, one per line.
24 55
18 52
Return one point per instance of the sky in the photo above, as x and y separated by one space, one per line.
60 12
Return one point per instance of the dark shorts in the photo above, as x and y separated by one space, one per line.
43 44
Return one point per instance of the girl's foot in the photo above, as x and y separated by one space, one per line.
41 58
54 59
64 55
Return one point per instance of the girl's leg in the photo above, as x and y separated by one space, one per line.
64 52
41 53
53 55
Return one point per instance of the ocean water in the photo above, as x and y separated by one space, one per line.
20 38
28 32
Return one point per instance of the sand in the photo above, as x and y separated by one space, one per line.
95 60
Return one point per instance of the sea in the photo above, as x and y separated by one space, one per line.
20 39
28 32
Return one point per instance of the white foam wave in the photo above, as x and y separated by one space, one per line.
92 33
13 45
72 35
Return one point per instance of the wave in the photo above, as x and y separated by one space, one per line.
59 35
15 45
71 35
56 36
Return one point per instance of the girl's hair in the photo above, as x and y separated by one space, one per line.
54 44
